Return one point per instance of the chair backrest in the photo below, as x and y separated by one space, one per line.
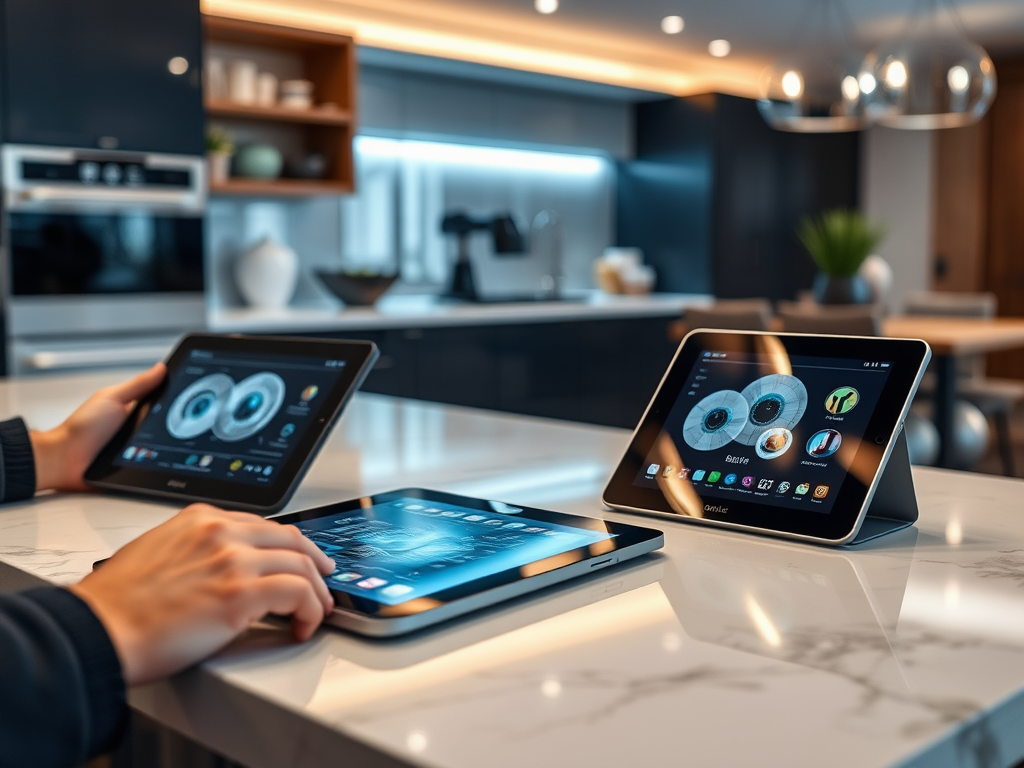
943 304
854 320
732 314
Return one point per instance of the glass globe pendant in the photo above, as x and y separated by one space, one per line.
931 77
815 88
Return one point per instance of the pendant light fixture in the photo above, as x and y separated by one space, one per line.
932 76
813 87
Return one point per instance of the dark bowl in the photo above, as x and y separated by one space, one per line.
356 290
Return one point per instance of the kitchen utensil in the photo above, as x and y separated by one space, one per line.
258 161
354 288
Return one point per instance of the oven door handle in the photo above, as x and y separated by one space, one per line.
94 358
44 194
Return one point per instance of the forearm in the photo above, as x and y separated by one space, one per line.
63 694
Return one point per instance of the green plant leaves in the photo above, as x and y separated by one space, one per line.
839 240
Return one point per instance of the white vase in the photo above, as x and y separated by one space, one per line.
266 274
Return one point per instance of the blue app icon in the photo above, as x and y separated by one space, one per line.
730 479
698 475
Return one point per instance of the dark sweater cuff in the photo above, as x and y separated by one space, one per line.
101 669
19 464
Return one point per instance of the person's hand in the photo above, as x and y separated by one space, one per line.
62 454
185 589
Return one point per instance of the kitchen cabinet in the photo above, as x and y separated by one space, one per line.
99 73
598 371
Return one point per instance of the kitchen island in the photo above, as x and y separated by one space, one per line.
592 358
724 649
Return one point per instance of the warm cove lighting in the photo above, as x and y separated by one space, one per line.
468 154
545 6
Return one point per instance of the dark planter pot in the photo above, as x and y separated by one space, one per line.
831 289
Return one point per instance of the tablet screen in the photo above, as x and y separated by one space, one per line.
746 427
231 416
405 548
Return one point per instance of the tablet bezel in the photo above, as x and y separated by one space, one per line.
841 524
263 498
623 537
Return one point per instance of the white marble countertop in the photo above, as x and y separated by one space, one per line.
406 311
725 650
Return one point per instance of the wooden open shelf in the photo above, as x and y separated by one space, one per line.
224 108
329 61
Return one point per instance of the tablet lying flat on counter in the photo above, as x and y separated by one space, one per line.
236 422
784 434
411 558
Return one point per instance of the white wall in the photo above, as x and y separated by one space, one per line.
897 181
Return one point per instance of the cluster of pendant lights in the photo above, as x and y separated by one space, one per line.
931 76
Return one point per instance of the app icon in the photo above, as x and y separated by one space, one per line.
668 471
371 583
842 400
235 465
475 518
533 529
765 485
514 525
714 477
784 487
698 475
267 471
653 469
747 481
450 513
287 430
310 392
802 489
824 443
191 460
773 443
730 479
821 492
684 473
343 577
415 506
128 453
492 522
396 590
206 461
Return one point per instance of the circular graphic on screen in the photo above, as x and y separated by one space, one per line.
774 401
773 443
250 406
195 410
824 443
715 421
842 400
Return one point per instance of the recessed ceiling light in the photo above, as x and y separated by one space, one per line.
672 25
719 48
545 6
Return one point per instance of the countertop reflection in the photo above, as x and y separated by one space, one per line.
724 650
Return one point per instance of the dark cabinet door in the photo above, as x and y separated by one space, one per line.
98 73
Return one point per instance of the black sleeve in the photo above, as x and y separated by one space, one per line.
17 464
62 695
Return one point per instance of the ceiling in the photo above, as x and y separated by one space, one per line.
615 42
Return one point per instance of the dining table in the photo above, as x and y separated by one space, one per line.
951 339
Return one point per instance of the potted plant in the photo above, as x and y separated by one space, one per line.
839 241
219 149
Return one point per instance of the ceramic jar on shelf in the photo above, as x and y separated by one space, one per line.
266 274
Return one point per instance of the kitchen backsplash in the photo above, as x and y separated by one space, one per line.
393 222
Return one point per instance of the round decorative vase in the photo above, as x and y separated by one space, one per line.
258 161
833 289
266 274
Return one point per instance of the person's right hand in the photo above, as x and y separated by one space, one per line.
185 589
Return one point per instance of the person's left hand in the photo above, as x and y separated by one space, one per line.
62 454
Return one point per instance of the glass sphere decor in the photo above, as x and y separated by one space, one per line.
924 82
814 91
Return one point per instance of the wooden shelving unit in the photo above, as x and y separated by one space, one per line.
328 61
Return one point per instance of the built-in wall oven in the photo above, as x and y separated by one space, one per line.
102 255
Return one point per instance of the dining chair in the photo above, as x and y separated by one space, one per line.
732 314
996 398
853 320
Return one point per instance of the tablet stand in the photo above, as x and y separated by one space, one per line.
894 505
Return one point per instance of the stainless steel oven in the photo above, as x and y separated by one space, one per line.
103 255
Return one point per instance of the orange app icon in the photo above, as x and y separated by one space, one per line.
821 492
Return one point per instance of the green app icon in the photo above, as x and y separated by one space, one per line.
714 476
